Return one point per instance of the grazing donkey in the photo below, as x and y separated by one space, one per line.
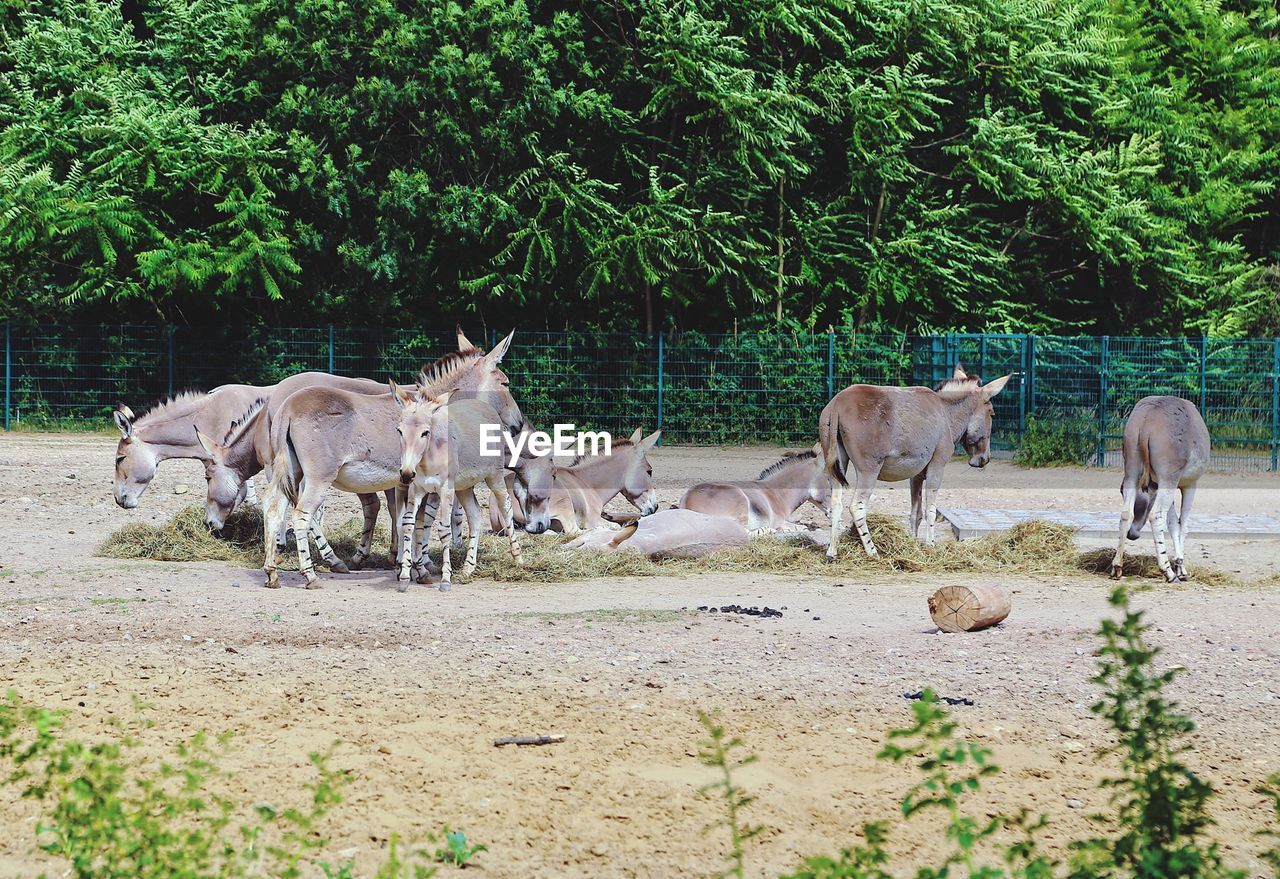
168 429
241 455
903 433
322 437
572 498
441 451
1166 448
768 502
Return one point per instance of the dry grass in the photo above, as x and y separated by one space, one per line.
1030 548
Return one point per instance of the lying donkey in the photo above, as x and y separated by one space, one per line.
572 498
1166 448
903 433
768 502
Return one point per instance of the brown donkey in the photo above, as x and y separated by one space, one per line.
1166 448
902 433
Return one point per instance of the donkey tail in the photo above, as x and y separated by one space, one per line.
835 456
285 469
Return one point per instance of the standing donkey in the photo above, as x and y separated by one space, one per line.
322 437
903 433
1166 448
442 452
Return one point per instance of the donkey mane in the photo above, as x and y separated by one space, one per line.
170 407
786 462
957 386
237 427
447 368
615 445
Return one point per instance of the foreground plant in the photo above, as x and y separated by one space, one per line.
1158 828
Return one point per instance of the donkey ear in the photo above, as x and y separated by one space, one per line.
464 344
959 374
635 437
990 389
123 417
817 449
211 447
500 350
649 442
402 397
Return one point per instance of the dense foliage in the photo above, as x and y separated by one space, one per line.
984 164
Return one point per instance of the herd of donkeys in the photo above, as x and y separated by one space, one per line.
424 447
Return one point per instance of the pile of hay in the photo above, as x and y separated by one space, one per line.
184 538
1033 548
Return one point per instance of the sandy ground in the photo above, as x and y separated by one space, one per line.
416 686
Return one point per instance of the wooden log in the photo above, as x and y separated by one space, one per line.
968 608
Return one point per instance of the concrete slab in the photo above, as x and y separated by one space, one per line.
974 523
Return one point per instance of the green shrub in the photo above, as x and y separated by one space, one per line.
1055 440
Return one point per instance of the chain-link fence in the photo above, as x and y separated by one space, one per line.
747 387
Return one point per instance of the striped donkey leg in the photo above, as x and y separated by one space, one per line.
369 506
1159 529
308 502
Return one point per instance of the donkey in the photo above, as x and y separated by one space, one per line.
1166 447
441 451
768 502
571 498
322 437
903 433
167 430
242 454
673 533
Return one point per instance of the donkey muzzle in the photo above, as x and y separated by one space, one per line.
406 477
979 461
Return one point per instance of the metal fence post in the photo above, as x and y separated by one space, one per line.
8 377
1275 407
331 349
1204 356
831 364
1102 400
982 356
1031 374
660 386
1023 386
170 333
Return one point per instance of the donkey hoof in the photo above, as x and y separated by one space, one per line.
273 581
339 567
313 583
357 562
829 559
1171 577
445 586
1117 571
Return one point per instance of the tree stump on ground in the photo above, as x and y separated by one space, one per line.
968 608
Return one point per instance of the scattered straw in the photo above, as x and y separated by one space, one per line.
1034 548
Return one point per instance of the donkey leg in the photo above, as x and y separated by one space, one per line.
369 506
1129 495
472 508
930 514
408 515
274 512
423 568
917 504
1184 518
498 488
455 526
861 497
308 501
837 507
446 525
250 493
1159 529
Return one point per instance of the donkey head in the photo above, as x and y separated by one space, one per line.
135 460
637 483
482 378
227 484
976 438
423 428
534 483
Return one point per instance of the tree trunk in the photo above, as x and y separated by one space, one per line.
968 608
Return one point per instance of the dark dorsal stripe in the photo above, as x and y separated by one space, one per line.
786 462
233 432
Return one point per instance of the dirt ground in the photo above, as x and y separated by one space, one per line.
415 687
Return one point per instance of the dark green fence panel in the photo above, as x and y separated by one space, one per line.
733 388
